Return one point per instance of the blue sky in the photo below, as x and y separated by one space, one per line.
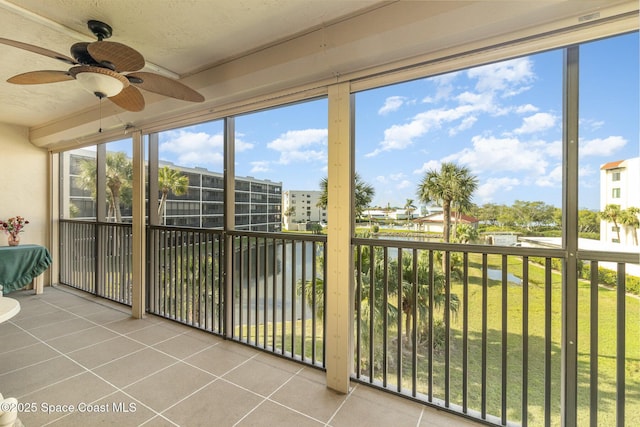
502 121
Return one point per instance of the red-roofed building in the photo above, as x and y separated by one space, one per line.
434 223
619 185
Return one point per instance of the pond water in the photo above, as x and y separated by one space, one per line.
494 274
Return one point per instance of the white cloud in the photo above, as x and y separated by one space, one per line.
405 183
553 179
537 123
465 124
601 147
591 124
260 166
301 145
507 77
527 108
491 186
391 104
196 148
426 167
502 154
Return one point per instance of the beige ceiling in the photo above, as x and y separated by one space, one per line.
228 49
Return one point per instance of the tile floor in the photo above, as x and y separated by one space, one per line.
69 348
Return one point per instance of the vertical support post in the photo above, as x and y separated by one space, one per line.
154 190
229 221
138 300
339 280
569 363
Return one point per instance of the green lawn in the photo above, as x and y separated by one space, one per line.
536 332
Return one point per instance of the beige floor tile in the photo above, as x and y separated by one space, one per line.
81 339
272 414
182 346
134 367
219 359
169 386
16 340
27 380
268 381
54 330
218 404
25 356
105 352
128 325
38 320
85 387
153 334
310 397
367 407
114 410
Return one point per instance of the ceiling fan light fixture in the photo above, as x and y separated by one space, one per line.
99 81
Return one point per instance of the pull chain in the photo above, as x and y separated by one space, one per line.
100 129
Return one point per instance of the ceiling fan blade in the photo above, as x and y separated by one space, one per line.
122 57
40 77
165 86
130 99
39 50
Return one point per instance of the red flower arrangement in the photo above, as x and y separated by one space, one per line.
14 225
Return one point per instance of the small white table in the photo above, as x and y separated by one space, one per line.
9 307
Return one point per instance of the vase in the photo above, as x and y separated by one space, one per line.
13 239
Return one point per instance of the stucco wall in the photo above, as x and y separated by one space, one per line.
23 183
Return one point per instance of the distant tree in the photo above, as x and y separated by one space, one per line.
466 233
529 215
291 210
363 194
170 181
588 221
629 217
118 177
611 213
409 208
451 185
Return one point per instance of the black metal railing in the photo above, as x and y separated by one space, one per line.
473 329
184 270
278 293
97 257
477 330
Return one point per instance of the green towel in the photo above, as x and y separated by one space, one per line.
19 265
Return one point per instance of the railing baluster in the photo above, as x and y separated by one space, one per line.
620 344
504 348
485 286
525 341
414 325
547 342
465 331
302 301
593 359
372 279
399 325
430 327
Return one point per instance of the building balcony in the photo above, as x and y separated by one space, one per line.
68 348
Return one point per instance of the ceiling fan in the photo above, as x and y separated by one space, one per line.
106 69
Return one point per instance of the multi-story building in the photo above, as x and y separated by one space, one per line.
257 207
301 206
619 185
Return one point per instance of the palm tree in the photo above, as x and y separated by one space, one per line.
363 194
466 233
170 181
453 185
118 176
409 208
629 217
611 213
